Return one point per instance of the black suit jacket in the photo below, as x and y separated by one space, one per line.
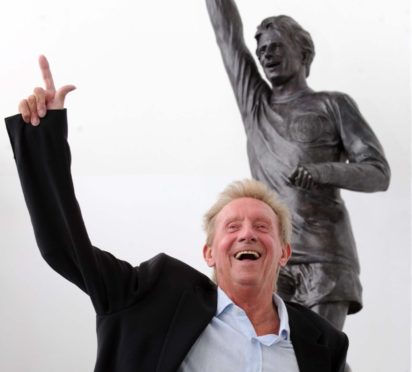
149 316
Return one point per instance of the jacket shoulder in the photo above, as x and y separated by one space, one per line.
172 273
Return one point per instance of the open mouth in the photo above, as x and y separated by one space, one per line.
272 64
247 255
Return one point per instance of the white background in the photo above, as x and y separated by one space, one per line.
155 135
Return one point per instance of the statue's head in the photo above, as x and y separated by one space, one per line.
284 48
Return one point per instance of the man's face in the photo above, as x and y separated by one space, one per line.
280 58
246 248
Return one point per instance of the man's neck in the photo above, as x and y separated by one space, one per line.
258 306
290 88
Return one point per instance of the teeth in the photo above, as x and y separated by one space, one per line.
255 255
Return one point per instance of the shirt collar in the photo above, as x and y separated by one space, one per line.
224 302
284 330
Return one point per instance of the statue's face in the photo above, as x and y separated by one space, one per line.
280 58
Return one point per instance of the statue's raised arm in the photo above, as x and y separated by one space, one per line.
238 60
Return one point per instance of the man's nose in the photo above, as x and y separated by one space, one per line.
268 56
247 234
271 52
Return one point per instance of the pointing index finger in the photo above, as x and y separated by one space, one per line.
46 74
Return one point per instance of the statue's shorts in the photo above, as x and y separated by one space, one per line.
310 284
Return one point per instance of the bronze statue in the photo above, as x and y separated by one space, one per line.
306 145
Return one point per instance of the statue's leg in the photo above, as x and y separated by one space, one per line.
335 312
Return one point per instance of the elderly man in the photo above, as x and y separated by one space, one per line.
305 145
164 315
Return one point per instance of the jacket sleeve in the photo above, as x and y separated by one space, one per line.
248 86
43 160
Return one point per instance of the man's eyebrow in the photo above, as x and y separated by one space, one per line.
263 219
232 219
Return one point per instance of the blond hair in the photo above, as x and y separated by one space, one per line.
248 188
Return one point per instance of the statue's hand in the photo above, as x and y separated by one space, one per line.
303 177
48 98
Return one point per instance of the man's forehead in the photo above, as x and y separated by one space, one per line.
275 36
270 36
246 207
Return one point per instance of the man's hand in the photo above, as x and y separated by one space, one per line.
302 177
36 105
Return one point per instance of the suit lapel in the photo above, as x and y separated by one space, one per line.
311 356
193 313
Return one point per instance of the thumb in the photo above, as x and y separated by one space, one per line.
63 91
59 97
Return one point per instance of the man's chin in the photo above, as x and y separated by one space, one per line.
271 74
276 78
248 280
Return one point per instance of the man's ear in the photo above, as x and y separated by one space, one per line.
304 58
286 253
208 255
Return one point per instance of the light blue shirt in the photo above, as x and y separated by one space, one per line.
229 343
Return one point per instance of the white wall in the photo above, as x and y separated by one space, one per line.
155 135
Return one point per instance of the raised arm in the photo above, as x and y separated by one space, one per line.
43 160
244 77
366 168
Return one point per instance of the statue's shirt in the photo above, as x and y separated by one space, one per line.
322 129
305 130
